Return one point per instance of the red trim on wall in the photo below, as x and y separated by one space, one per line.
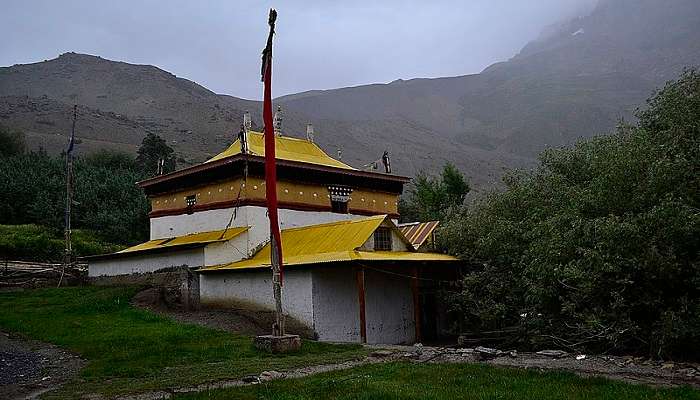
361 301
415 289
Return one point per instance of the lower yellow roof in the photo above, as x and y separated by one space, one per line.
286 148
335 241
321 258
192 239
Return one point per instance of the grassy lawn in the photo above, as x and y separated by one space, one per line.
129 349
443 381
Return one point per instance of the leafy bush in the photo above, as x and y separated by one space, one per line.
107 201
430 198
598 248
39 243
11 142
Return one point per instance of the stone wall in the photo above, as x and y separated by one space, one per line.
178 286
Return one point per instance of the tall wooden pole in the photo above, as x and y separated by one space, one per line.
68 255
271 181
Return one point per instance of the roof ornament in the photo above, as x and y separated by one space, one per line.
247 122
310 132
277 123
243 138
387 162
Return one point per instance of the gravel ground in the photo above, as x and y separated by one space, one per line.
29 368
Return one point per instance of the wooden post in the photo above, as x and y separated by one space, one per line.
278 328
416 304
360 275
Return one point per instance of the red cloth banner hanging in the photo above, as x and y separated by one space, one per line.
270 164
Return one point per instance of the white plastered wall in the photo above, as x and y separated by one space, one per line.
389 308
229 251
252 216
336 304
253 290
142 263
212 220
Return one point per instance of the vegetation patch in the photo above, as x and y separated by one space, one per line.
443 381
598 249
40 243
131 350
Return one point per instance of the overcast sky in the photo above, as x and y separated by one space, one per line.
319 44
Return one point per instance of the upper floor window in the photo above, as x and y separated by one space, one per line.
382 239
191 200
340 196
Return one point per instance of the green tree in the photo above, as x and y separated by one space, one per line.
32 191
11 142
597 249
154 148
430 198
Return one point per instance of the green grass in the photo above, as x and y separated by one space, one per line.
130 349
443 381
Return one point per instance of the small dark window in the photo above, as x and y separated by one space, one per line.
382 239
191 200
340 196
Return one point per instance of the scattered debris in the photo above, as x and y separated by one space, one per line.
381 353
552 353
418 349
581 357
487 353
270 375
251 379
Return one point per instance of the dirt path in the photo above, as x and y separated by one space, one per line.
378 357
29 368
618 368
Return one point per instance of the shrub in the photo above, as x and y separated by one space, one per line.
597 249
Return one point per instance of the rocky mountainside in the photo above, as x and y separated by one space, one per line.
577 80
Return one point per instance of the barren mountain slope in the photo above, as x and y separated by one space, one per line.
577 80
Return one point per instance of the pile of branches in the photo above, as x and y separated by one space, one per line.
33 274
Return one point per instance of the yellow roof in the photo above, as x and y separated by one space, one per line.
286 148
335 241
192 239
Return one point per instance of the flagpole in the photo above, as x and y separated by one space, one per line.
271 181
69 198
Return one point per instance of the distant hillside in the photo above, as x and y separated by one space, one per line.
122 103
577 80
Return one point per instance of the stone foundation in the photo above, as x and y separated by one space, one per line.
178 286
278 344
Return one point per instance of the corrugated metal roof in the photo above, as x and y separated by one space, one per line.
418 232
322 258
335 241
192 239
286 148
